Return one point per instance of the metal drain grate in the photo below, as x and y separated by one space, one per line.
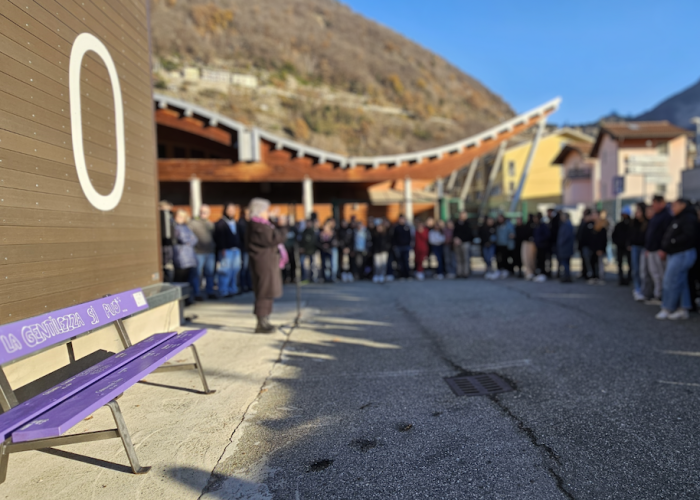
484 384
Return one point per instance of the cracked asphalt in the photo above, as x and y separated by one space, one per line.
606 402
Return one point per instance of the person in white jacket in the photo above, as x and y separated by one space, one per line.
436 239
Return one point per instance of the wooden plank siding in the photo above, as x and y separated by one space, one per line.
56 248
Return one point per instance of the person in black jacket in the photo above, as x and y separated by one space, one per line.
401 245
521 234
167 232
654 256
598 244
487 234
694 273
327 241
554 222
583 237
678 243
621 240
543 242
381 244
228 251
345 235
308 246
638 231
462 239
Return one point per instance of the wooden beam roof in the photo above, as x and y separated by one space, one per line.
267 158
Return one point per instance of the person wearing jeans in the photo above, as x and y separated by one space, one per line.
327 242
487 234
638 229
676 290
228 250
678 247
653 255
205 250
449 250
183 254
505 244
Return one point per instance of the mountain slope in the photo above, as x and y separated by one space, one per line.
678 109
328 76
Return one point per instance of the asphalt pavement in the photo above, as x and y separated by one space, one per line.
606 398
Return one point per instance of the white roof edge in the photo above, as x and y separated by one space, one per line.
198 110
417 156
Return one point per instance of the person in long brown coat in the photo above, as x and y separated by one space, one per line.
264 242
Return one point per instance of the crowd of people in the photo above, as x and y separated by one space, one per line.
243 251
655 247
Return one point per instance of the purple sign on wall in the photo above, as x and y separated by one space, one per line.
33 334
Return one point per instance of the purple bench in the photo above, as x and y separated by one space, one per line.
40 421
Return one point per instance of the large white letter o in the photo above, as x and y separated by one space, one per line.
84 43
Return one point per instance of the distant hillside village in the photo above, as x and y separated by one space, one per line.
204 78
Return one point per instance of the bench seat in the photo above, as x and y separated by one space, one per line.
61 417
38 415
18 416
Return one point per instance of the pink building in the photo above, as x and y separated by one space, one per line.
577 174
651 156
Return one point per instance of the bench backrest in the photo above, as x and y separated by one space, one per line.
20 339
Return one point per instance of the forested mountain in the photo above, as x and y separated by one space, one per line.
326 75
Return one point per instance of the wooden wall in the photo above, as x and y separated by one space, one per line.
56 248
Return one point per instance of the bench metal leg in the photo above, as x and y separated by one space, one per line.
126 439
197 365
42 444
201 371
4 459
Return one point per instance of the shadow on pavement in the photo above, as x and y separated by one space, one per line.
87 460
213 483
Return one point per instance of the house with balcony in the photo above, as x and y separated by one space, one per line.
650 156
578 171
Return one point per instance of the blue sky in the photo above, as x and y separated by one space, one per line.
600 56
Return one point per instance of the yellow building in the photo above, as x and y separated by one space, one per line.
544 182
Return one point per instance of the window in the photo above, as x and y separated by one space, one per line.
662 148
180 153
511 186
162 151
511 168
196 153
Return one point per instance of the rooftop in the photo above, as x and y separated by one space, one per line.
643 130
584 148
638 130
